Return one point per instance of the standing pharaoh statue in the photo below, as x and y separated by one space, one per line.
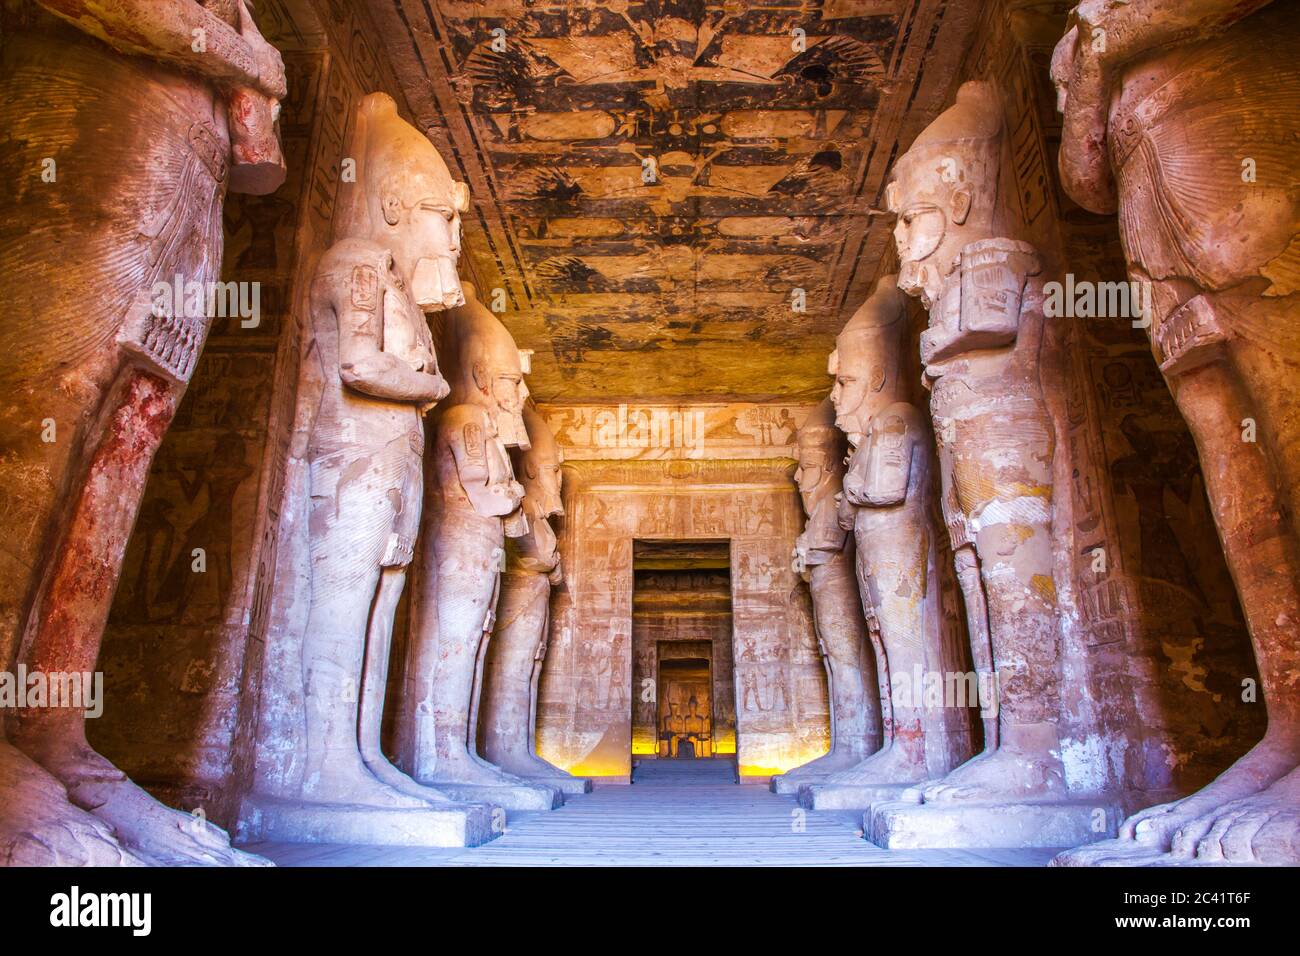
886 503
473 504
1184 117
824 554
122 139
369 375
958 254
508 705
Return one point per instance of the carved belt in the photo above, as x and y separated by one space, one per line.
1129 125
209 148
1190 337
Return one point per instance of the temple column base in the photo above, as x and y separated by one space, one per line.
566 785
849 796
898 825
532 796
288 821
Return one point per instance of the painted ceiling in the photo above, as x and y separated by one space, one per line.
675 199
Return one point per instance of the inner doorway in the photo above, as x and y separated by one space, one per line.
685 714
682 668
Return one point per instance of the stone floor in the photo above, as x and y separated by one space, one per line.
677 813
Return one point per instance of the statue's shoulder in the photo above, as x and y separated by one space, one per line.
457 416
465 425
347 254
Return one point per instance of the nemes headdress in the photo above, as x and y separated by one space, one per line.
395 167
960 148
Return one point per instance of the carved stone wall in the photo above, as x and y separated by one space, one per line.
584 721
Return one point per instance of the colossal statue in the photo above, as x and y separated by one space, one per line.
473 502
123 139
981 355
886 504
1183 118
369 375
517 648
824 554
982 352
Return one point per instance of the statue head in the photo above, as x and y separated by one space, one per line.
489 368
538 468
821 454
405 199
944 190
882 468
867 359
820 472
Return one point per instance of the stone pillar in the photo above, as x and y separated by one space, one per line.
473 503
887 503
959 253
825 556
1184 123
371 364
131 139
517 649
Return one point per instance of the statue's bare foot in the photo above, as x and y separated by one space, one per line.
892 764
1155 827
351 782
537 767
1261 828
391 777
39 826
154 832
468 770
1000 776
838 759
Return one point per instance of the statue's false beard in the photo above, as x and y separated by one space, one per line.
436 285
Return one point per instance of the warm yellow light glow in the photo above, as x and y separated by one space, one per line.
600 768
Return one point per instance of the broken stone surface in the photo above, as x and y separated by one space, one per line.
1210 225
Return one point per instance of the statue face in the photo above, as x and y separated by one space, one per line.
929 232
811 471
413 205
861 379
493 370
508 393
433 227
541 474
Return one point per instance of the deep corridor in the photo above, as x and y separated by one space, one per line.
675 813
